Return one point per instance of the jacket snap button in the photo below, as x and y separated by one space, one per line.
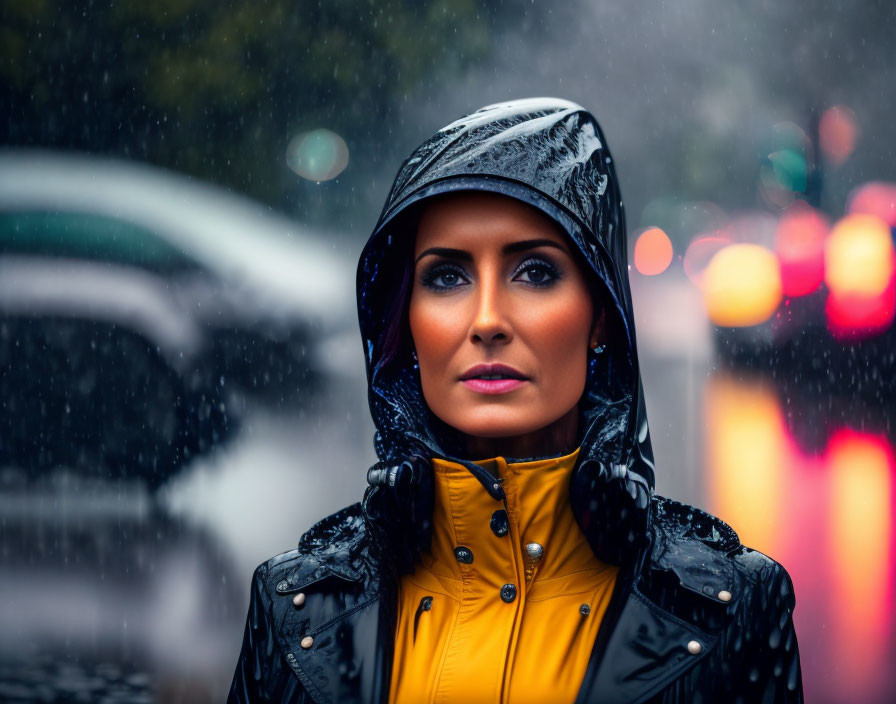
299 599
508 592
585 609
694 647
534 551
499 524
307 642
725 595
463 554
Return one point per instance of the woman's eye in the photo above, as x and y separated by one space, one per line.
537 273
443 277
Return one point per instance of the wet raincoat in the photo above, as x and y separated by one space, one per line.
694 616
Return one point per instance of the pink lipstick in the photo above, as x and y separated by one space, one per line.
492 378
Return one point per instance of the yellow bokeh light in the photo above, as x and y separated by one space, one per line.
742 285
746 460
858 257
860 549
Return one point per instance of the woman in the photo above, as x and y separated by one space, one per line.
496 315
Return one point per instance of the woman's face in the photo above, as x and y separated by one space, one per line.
500 315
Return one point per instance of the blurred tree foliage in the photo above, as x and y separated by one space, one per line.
217 88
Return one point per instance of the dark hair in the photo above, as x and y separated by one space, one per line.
395 341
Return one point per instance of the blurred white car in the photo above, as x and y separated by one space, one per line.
139 309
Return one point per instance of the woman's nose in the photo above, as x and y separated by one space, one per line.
490 323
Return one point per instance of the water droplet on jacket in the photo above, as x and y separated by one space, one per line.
783 619
738 642
793 674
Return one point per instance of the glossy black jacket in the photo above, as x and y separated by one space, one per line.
695 616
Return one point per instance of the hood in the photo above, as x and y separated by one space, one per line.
550 154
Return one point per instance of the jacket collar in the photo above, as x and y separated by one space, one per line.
640 649
642 646
536 498
338 641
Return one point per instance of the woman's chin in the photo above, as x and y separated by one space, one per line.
493 426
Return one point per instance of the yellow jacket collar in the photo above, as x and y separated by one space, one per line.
470 527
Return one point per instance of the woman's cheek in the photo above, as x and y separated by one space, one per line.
560 336
430 326
433 335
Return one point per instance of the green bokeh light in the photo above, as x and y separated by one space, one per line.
318 155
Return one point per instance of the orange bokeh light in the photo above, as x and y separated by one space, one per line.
838 132
653 252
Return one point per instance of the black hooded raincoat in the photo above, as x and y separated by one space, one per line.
695 615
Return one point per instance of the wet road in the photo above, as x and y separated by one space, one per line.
804 474
111 594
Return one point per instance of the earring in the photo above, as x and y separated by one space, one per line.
598 349
414 357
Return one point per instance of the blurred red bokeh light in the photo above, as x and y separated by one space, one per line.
853 316
875 198
860 272
799 243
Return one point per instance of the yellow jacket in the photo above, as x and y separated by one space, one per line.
506 605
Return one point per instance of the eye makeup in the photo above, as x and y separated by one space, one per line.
534 271
442 276
541 272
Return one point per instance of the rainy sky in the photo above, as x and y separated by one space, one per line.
688 92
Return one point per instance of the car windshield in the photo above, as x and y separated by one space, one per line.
92 237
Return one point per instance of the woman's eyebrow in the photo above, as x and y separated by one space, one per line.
531 244
511 248
447 252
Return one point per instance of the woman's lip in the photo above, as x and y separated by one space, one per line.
481 370
493 386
